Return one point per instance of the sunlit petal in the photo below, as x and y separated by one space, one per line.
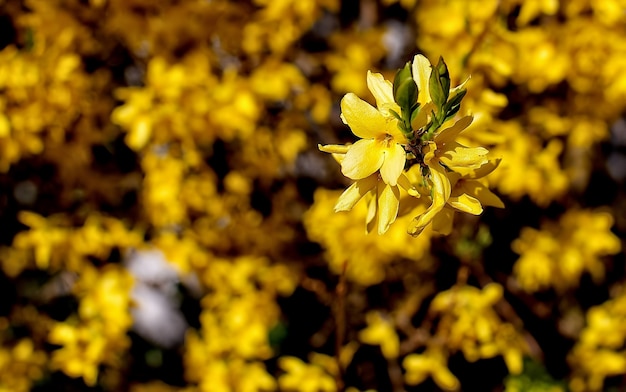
404 182
421 73
466 203
440 194
392 166
388 201
364 120
362 159
334 148
482 193
449 134
355 192
464 158
484 169
381 89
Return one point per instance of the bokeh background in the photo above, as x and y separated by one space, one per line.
167 224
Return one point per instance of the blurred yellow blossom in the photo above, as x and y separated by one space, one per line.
380 332
559 253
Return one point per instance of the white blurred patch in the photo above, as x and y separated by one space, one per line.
396 39
157 318
156 314
616 165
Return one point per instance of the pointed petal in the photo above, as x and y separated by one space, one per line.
355 192
388 201
449 134
421 73
485 169
393 165
440 194
460 86
364 120
481 192
334 148
466 203
381 89
404 182
363 158
460 158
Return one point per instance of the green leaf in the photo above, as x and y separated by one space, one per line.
402 75
406 96
439 84
454 104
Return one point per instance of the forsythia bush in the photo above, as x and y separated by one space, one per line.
312 195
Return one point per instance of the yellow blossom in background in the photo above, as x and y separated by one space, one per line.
380 332
558 254
599 352
301 376
470 324
20 366
431 363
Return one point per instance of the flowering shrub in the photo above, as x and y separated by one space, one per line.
169 222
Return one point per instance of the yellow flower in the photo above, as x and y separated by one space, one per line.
441 155
380 147
383 207
377 160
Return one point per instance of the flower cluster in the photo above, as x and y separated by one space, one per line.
414 128
559 253
599 353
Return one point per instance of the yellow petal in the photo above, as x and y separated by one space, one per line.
464 159
382 90
363 158
388 201
449 134
364 120
440 194
421 74
404 182
355 192
392 166
334 148
428 152
481 192
442 222
421 120
466 203
485 169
